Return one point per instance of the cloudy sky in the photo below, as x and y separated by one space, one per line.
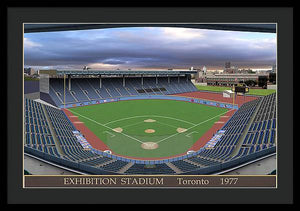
149 48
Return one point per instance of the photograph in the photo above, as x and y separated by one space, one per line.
150 105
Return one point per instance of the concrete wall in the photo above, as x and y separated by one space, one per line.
31 87
200 84
272 87
46 97
32 96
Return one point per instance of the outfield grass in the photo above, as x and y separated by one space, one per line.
222 88
130 115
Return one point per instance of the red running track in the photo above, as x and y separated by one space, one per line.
210 133
86 132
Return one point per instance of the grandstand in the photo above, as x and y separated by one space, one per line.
49 134
85 86
87 89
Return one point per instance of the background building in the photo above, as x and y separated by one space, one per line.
230 69
29 71
230 79
204 69
274 69
227 65
201 75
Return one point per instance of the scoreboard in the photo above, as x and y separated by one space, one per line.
240 89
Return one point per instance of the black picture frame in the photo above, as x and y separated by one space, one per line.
17 15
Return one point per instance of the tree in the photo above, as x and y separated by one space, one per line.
250 83
262 81
272 78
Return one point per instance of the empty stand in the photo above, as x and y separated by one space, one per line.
87 89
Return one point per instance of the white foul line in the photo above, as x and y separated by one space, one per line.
112 135
188 135
149 116
106 126
192 127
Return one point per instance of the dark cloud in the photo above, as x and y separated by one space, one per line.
149 48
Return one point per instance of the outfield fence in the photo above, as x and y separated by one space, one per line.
154 97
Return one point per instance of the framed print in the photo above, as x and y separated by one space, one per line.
151 105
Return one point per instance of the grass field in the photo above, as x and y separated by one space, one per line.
122 125
262 92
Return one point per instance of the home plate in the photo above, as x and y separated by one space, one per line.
149 145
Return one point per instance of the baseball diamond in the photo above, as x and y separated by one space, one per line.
172 122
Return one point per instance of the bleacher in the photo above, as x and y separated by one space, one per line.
233 132
114 166
37 132
262 131
87 89
143 169
184 166
70 148
260 136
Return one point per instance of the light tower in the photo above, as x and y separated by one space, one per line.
274 68
204 70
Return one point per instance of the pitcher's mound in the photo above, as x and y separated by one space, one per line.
118 130
149 120
149 145
149 131
181 130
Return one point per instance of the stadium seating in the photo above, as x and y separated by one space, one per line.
38 135
261 134
37 132
87 89
143 169
250 130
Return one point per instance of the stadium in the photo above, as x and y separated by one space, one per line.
137 122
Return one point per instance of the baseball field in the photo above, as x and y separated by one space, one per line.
149 128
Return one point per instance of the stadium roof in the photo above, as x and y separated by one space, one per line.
269 28
124 72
